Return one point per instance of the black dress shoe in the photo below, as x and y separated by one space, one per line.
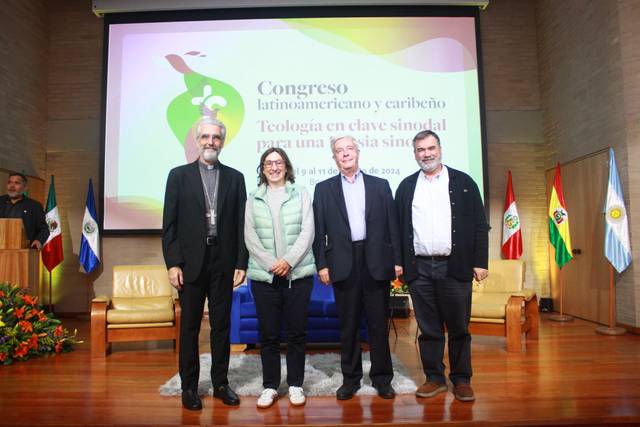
385 391
191 400
228 396
346 392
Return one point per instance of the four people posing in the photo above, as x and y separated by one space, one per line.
434 236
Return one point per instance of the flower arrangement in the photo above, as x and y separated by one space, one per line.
398 287
26 331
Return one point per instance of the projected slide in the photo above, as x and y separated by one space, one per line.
291 83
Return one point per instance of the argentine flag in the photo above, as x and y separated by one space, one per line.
90 241
617 246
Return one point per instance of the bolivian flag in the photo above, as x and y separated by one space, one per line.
559 222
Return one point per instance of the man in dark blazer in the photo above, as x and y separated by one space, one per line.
15 204
204 250
444 246
356 248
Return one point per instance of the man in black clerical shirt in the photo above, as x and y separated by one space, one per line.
205 254
15 204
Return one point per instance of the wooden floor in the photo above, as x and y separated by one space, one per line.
572 376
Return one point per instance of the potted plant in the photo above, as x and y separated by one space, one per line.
399 299
26 330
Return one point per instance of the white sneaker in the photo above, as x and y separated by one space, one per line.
296 396
267 398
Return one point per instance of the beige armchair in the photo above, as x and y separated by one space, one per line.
144 307
497 304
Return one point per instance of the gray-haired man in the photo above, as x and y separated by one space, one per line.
203 247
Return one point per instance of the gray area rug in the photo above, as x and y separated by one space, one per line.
322 376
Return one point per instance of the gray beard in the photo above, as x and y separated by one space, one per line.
210 155
430 165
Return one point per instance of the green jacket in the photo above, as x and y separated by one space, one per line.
290 225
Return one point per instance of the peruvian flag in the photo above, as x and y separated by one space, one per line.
52 249
511 233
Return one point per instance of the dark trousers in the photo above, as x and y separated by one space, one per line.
276 302
360 291
215 284
440 300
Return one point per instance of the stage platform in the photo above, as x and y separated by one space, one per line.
571 376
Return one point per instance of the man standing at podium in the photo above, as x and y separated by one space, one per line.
15 204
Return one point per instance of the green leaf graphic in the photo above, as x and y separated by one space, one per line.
204 96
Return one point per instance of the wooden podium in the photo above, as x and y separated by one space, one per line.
19 265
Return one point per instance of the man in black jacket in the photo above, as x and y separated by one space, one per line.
357 248
204 250
444 246
15 204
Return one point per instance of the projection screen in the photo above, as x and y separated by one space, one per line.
291 82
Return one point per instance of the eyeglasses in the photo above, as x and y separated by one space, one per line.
214 137
347 149
276 163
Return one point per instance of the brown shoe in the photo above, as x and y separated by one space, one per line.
464 392
430 389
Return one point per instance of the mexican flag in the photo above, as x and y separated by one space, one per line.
52 250
559 222
511 233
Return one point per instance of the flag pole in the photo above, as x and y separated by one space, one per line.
561 317
612 329
50 302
